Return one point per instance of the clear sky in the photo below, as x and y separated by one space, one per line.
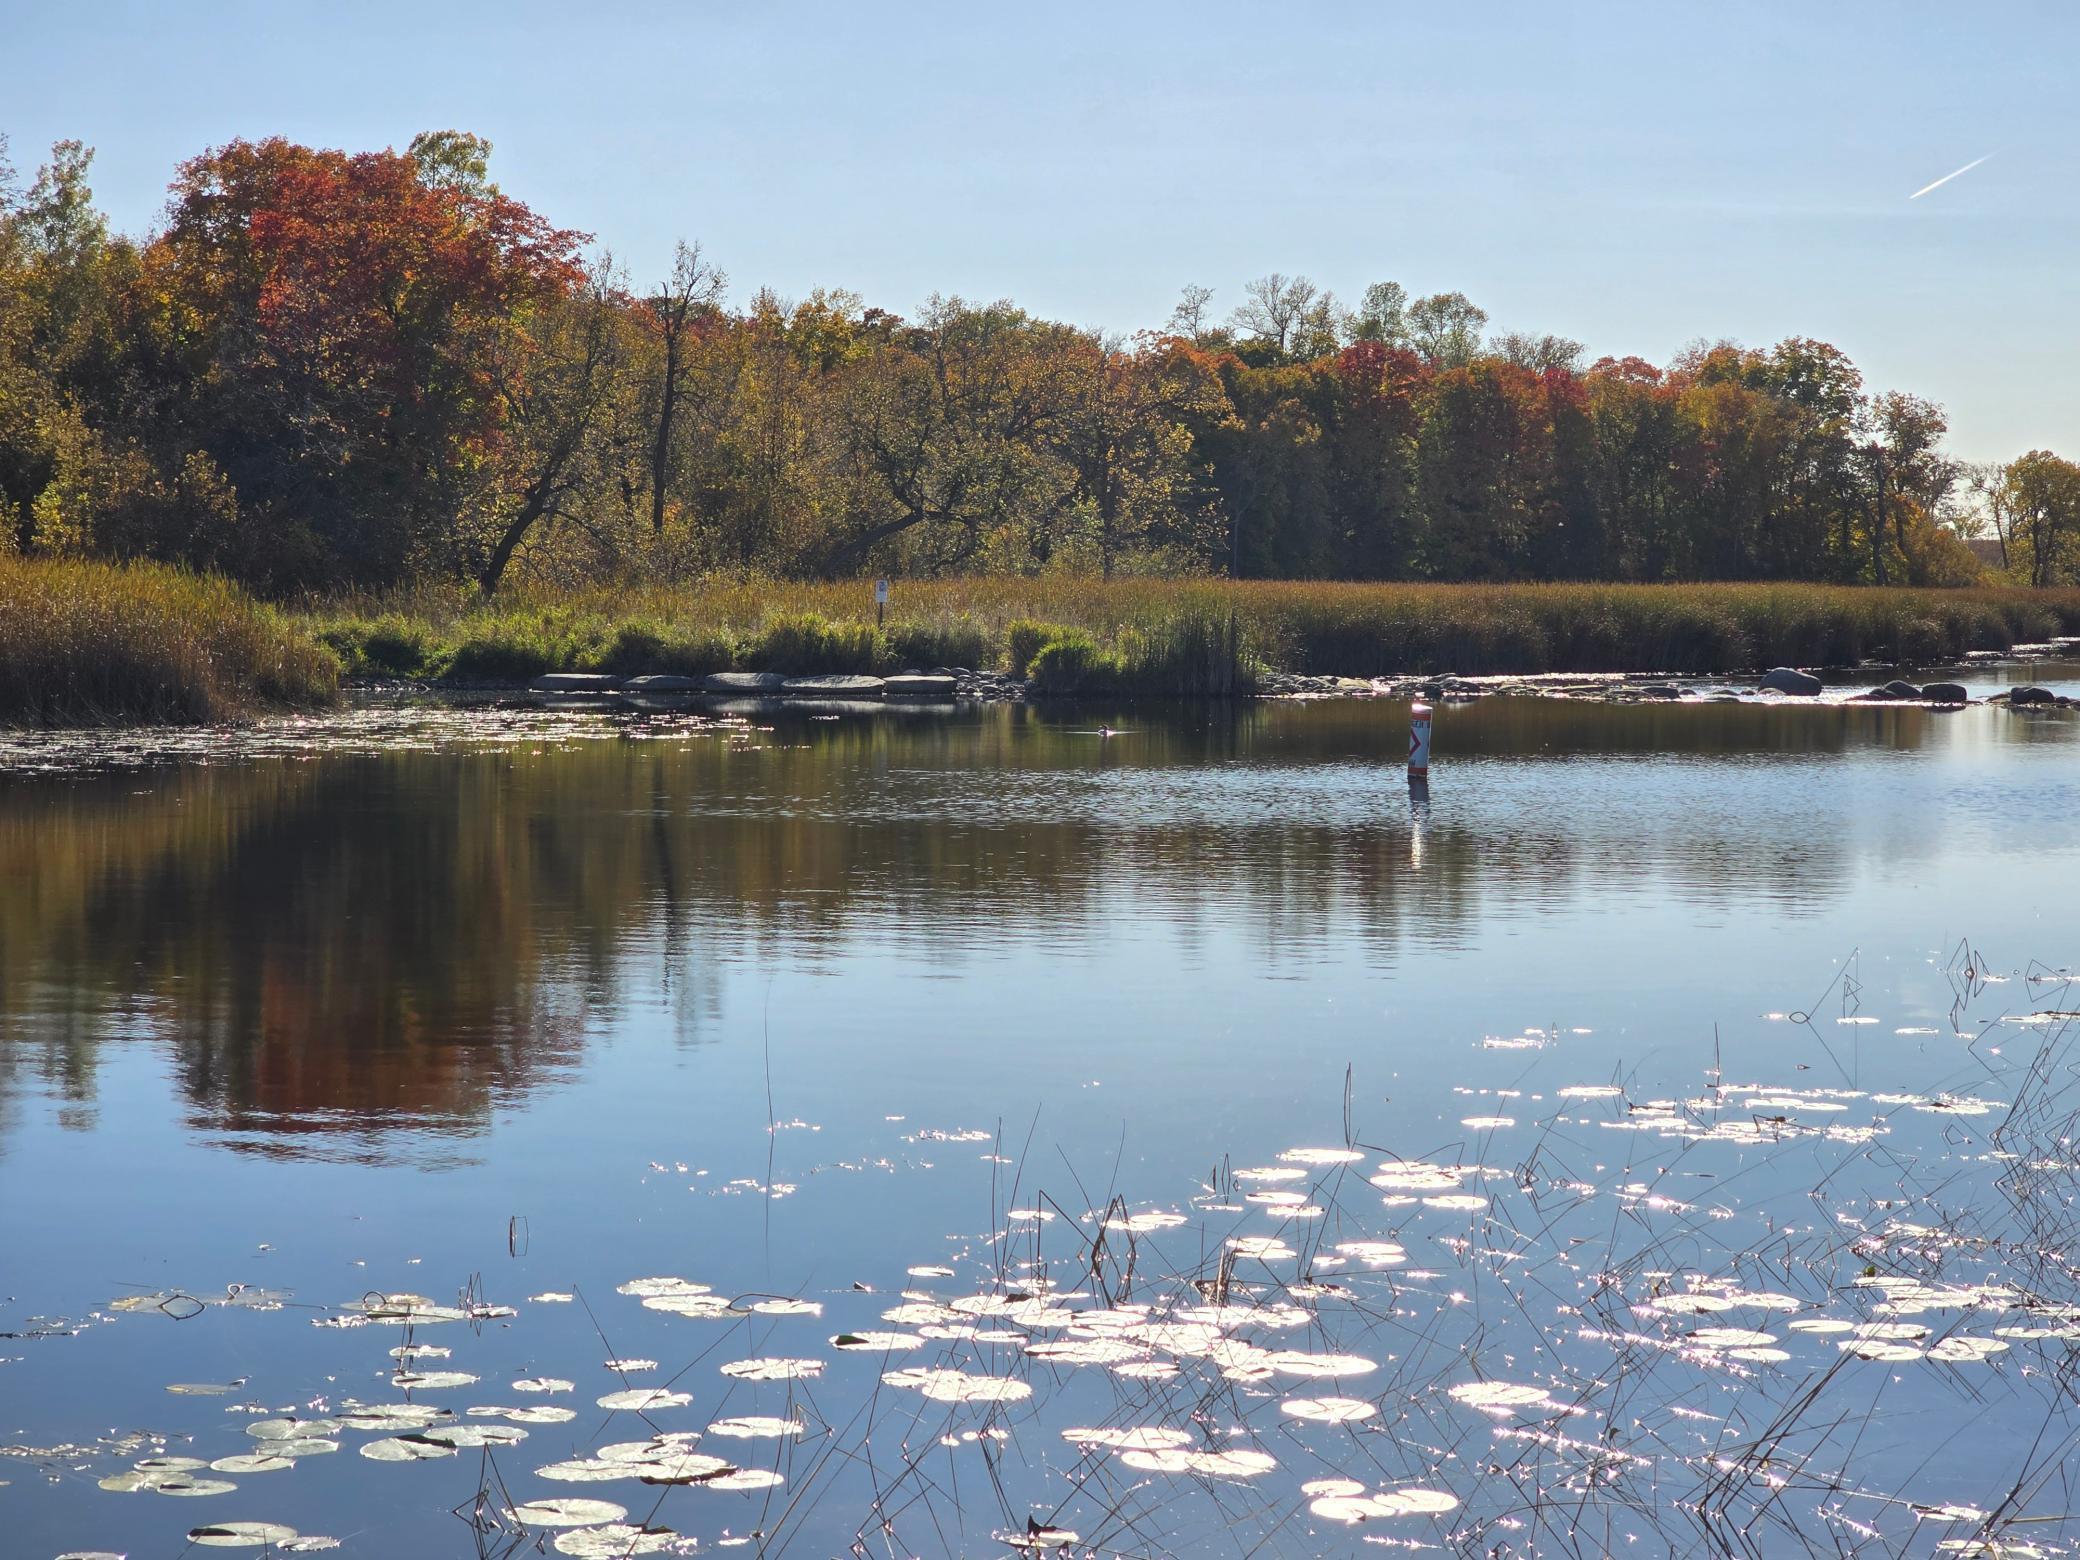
1632 175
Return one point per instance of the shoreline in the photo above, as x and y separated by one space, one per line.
1875 683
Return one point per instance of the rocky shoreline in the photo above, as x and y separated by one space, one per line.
954 684
942 686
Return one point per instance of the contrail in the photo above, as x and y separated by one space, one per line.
1946 178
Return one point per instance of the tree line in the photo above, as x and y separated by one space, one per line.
327 370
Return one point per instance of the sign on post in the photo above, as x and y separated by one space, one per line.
880 601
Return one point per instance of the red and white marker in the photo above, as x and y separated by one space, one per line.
1419 741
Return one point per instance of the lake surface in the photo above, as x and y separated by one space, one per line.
1654 1142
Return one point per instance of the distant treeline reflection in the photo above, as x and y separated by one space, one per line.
334 947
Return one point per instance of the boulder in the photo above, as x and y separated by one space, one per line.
2032 695
1892 692
751 683
839 686
661 682
1787 679
1946 693
575 682
920 685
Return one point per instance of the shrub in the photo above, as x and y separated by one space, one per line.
806 644
388 646
640 647
1073 662
524 646
958 641
1023 639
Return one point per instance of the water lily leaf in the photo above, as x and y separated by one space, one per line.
432 1380
291 1429
750 1426
772 1369
614 1540
1498 1394
741 1479
476 1435
544 1414
1038 1538
303 1446
1329 1410
570 1511
955 1386
251 1463
786 1308
240 1535
405 1448
691 1304
644 1399
876 1342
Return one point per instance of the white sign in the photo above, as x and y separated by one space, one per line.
881 593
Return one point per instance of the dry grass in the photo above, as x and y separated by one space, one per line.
86 643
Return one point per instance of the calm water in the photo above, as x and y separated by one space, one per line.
501 1004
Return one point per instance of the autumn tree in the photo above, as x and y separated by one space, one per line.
1445 329
556 373
1290 317
2042 493
1125 440
691 292
336 320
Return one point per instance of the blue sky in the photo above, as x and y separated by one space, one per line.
1633 175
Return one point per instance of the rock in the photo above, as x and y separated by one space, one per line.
921 685
744 682
1892 692
575 682
1786 679
661 682
2033 695
1660 691
1946 693
839 686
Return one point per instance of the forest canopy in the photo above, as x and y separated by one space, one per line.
331 370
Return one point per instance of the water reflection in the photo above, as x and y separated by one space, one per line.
334 939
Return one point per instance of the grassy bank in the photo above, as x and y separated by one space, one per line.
84 642
87 643
1183 638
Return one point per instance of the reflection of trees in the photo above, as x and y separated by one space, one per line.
334 947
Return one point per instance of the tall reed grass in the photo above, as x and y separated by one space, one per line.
89 643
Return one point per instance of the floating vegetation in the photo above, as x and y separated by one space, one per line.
574 1511
955 1386
753 1426
1707 1316
1329 1410
639 1400
241 1535
772 1369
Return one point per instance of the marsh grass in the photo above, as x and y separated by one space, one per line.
1195 637
84 642
88 643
